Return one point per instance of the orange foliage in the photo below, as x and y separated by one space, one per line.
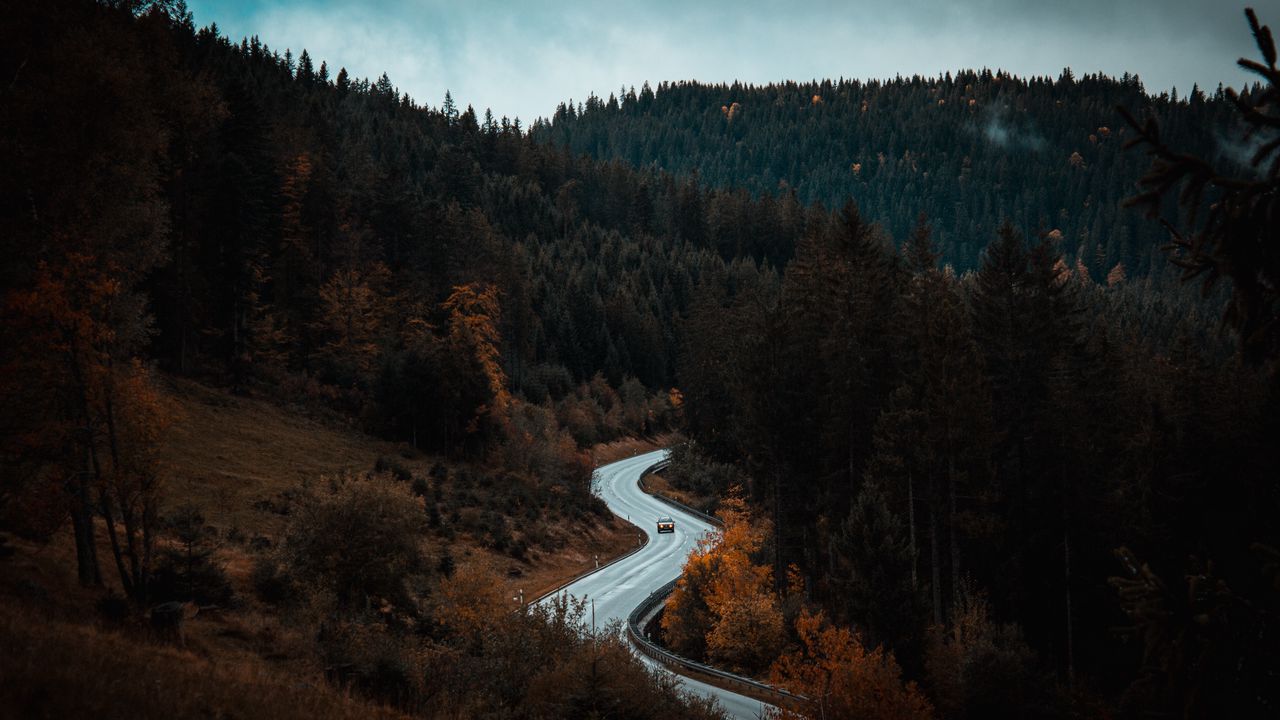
1116 276
352 311
471 603
842 679
1082 272
95 414
474 314
1061 273
676 398
726 601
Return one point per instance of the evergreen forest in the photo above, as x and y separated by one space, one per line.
981 372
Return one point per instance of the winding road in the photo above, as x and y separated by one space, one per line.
619 588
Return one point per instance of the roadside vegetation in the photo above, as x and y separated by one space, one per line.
321 572
1023 491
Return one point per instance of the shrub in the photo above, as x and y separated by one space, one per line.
273 584
842 678
981 668
446 564
420 487
357 539
393 467
112 608
724 603
187 569
367 657
693 471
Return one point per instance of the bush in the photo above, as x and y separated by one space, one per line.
273 584
419 487
368 658
693 471
544 662
981 668
187 570
358 539
519 549
393 467
843 679
446 564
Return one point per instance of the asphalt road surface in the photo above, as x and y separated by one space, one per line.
619 588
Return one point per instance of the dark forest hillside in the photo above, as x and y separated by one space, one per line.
969 150
284 227
980 451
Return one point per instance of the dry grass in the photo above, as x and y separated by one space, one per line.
628 447
223 456
58 669
224 453
661 485
604 542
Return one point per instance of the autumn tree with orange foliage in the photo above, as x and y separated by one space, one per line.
475 313
724 604
353 308
87 154
840 678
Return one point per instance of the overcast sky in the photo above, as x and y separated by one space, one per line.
522 58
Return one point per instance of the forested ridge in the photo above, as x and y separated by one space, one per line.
980 451
290 227
1046 492
178 204
969 149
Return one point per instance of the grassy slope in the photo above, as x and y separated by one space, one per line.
224 455
59 669
228 454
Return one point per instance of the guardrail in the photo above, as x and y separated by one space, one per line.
665 657
684 665
591 571
658 653
672 501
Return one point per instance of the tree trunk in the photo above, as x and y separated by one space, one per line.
779 576
936 570
911 519
1066 573
87 570
127 516
126 581
951 530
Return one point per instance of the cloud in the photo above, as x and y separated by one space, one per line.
524 58
1239 151
999 131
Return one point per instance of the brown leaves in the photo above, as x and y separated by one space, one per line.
724 601
352 312
474 314
841 678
